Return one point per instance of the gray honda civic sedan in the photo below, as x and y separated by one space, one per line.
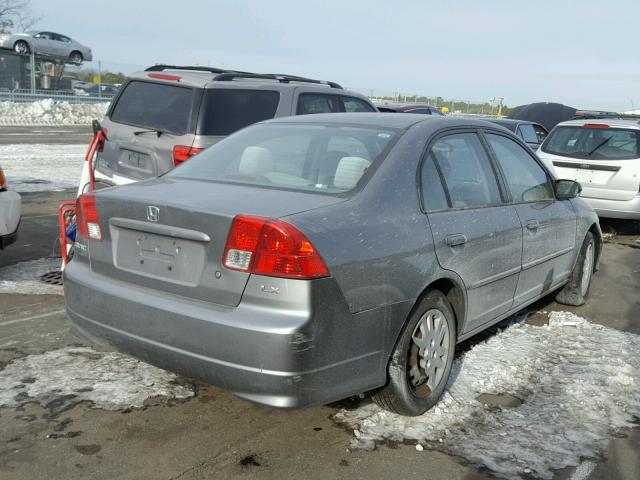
306 259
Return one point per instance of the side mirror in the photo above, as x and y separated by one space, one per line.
566 189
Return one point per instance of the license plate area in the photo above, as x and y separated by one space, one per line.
159 257
137 164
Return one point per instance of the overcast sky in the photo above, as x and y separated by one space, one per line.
582 53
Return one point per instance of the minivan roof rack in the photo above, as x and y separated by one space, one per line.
282 78
192 68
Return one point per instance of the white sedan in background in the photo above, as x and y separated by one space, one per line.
10 209
48 44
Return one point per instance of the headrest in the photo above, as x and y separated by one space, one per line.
255 160
349 172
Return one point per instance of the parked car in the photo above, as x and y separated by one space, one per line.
10 210
93 89
306 259
421 108
166 114
603 156
533 134
47 44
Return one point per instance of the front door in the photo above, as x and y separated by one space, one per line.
476 234
549 225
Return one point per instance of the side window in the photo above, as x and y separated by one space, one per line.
468 175
541 133
422 111
318 103
433 194
527 133
356 105
526 179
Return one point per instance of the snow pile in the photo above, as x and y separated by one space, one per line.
24 277
50 112
70 375
578 382
37 168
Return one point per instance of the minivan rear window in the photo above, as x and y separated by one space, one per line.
156 106
592 143
226 110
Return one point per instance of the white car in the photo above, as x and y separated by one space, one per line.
10 208
48 44
603 155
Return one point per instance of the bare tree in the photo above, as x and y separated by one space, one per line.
16 15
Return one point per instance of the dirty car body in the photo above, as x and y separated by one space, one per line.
155 274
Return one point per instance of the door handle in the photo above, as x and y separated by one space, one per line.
456 239
532 224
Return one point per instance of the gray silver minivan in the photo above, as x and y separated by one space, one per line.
167 114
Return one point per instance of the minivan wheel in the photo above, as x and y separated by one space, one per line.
421 360
21 47
576 290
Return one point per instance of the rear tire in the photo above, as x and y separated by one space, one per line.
421 361
576 290
21 47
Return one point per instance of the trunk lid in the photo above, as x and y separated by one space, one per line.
169 234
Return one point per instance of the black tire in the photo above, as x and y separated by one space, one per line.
76 58
399 395
575 292
21 47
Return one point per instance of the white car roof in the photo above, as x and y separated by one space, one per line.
612 122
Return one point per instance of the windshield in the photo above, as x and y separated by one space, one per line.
592 143
318 158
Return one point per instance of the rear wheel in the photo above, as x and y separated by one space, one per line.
21 47
421 361
75 58
576 290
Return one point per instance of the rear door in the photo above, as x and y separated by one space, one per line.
146 123
549 225
477 235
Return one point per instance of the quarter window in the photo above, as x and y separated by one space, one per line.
433 193
526 179
468 175
356 105
317 103
527 133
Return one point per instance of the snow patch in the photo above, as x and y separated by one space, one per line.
65 377
579 381
39 168
50 112
24 277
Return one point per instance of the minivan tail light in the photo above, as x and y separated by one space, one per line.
271 247
182 153
87 220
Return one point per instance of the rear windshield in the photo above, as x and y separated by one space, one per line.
227 110
592 143
318 158
155 106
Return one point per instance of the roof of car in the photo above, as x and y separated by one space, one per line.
405 106
381 120
612 122
192 77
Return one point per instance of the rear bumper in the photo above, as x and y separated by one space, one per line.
6 240
313 353
629 209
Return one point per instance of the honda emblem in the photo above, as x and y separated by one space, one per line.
153 213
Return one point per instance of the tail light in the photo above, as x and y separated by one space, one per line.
100 146
182 153
3 180
271 247
595 125
87 221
